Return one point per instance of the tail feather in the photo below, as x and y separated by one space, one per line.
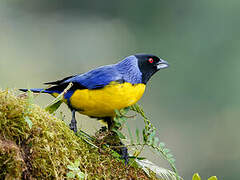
59 81
35 90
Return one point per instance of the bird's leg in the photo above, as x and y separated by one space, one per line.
73 124
110 123
123 151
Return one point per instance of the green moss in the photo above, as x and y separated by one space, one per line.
45 150
11 162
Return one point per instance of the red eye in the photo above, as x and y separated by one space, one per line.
150 60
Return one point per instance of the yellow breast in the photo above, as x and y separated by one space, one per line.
103 102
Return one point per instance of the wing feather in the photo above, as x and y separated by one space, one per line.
58 81
94 79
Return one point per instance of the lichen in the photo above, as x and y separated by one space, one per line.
49 146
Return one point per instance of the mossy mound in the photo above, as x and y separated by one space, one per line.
46 149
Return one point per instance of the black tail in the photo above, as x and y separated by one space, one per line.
59 81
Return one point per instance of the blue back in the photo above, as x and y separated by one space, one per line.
126 70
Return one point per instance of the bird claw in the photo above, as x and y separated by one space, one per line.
124 154
73 126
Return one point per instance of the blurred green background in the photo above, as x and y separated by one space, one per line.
194 103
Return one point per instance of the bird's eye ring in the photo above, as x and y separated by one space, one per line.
150 60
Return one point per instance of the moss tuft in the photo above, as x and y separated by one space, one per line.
46 149
11 161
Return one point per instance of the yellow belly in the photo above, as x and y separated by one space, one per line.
103 102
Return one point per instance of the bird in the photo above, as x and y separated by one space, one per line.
99 92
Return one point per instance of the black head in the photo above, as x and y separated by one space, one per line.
149 64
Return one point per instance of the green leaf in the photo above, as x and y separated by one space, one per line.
80 175
117 125
117 112
123 119
152 135
73 168
137 136
166 150
172 160
145 137
127 109
120 135
162 145
70 167
70 175
212 178
54 105
28 121
137 108
77 163
116 119
169 156
196 177
155 141
162 173
133 107
30 96
130 135
115 154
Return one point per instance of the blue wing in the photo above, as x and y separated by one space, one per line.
96 78
93 79
124 71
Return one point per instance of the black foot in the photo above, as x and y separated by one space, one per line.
73 124
124 154
112 138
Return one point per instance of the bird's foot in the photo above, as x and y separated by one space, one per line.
124 154
111 138
73 126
